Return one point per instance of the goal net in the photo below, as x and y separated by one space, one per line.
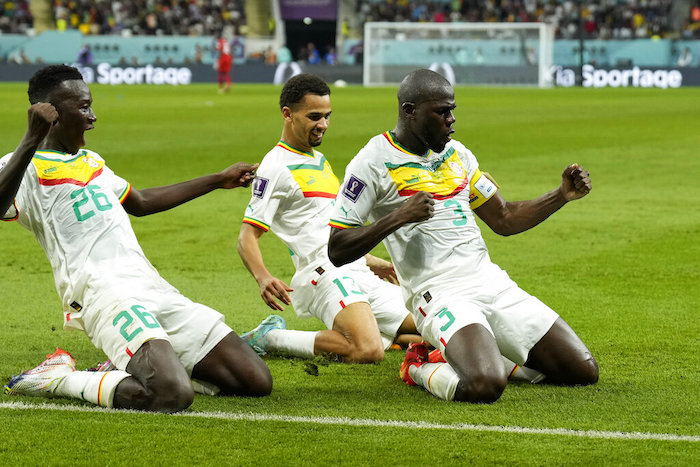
465 53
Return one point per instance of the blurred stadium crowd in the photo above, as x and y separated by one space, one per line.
137 17
603 19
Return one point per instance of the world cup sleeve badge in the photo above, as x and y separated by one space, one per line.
353 188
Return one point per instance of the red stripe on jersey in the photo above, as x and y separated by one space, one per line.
456 191
318 194
421 310
61 181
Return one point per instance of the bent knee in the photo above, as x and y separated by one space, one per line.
261 385
168 395
585 372
481 389
257 383
366 354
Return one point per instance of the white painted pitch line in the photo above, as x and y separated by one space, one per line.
369 422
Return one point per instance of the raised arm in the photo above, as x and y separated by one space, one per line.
40 117
512 217
347 245
153 200
271 288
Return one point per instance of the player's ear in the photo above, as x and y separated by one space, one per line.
286 112
408 108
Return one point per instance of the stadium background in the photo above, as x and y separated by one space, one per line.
325 36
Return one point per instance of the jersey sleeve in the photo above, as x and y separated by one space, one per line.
12 213
481 187
268 190
356 196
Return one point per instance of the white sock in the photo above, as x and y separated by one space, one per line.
97 387
439 379
202 387
522 373
297 343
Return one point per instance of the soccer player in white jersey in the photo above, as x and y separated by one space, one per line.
420 189
293 192
78 210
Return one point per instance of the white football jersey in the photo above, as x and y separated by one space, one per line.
72 204
383 175
292 195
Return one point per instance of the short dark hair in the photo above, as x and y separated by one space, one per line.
49 78
421 84
299 86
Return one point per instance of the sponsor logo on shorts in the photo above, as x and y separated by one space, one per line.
427 297
259 186
353 188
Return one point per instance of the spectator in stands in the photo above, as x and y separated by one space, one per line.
685 58
284 55
330 57
312 55
84 55
270 56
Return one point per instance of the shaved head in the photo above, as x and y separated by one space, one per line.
425 120
422 85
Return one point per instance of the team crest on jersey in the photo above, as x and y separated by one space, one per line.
259 186
91 161
353 188
456 168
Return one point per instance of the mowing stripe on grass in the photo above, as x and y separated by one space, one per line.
369 422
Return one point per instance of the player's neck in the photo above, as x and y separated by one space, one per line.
293 142
409 141
50 144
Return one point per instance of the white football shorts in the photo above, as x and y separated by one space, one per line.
323 291
121 322
515 318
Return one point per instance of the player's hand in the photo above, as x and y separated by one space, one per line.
237 175
40 117
575 182
272 290
418 207
382 268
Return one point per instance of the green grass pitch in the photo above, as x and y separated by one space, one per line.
621 266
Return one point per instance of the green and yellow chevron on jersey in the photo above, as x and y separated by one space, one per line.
315 178
52 170
444 178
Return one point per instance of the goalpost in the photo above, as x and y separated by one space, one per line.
465 53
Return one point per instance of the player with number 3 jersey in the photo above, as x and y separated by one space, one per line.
420 189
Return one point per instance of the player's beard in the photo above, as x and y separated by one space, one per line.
315 141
